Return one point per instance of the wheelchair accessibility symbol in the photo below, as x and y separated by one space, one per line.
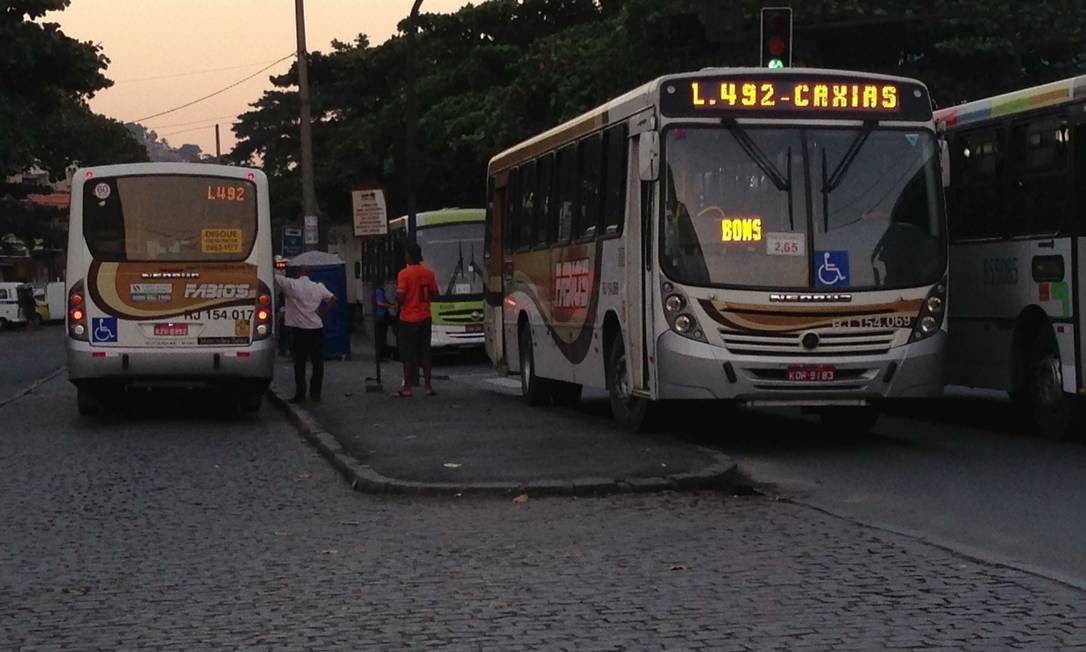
832 269
104 329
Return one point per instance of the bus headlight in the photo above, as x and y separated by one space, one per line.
683 324
674 303
932 313
928 324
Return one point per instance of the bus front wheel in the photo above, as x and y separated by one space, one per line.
1049 408
632 412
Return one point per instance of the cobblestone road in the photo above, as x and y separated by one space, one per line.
175 528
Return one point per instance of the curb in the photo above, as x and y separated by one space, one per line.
32 386
721 475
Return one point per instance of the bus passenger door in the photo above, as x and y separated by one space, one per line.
638 297
494 292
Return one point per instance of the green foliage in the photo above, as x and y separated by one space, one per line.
46 79
500 71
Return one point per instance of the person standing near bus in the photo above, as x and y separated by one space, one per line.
415 285
382 317
307 304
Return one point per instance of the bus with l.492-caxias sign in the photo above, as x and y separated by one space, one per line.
771 237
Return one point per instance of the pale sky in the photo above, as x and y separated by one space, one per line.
184 45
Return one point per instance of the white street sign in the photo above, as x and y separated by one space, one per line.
370 212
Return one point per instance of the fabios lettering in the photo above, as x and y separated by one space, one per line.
219 291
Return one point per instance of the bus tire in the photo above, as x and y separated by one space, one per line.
631 412
848 421
532 387
88 401
566 394
1050 410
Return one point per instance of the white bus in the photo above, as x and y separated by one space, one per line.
764 236
452 246
1016 226
169 281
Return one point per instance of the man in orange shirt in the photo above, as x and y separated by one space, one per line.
415 285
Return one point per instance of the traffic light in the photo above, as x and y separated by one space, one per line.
776 37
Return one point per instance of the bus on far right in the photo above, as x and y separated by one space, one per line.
1017 217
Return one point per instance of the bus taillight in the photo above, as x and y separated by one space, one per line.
263 314
77 313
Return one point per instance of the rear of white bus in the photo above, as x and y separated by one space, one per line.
803 252
170 278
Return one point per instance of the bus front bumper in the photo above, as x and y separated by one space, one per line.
186 366
687 369
443 337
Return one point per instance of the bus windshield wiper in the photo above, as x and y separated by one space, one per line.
758 156
829 184
458 272
765 163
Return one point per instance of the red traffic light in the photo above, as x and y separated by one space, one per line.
776 46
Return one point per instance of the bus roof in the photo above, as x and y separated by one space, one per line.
127 169
1027 99
443 216
642 97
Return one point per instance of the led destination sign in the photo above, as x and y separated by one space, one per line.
795 96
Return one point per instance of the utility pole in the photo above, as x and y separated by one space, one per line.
309 195
218 149
412 118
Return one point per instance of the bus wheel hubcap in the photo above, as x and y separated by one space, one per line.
1050 382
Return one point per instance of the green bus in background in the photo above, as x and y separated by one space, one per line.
452 246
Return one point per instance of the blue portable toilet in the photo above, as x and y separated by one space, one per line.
330 270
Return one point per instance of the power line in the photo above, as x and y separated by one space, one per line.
189 73
218 92
191 122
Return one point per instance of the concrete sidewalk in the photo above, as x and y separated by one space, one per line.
478 436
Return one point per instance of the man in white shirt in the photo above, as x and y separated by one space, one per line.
307 303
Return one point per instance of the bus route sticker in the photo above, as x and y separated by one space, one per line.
220 241
832 269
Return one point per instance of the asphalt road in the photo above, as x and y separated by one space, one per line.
181 524
27 355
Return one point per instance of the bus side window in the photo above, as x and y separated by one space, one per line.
977 180
1078 142
567 193
614 179
512 208
590 168
1038 196
544 203
528 205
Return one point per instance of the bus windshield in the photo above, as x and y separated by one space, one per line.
801 208
455 253
169 218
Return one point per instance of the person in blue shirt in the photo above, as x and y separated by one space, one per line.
382 317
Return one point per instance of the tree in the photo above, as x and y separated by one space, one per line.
46 79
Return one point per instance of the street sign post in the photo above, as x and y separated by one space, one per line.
312 232
370 211
292 241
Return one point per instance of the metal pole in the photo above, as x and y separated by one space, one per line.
412 119
218 149
309 195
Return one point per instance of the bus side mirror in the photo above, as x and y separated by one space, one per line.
648 156
944 161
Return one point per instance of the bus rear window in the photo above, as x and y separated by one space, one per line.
169 218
